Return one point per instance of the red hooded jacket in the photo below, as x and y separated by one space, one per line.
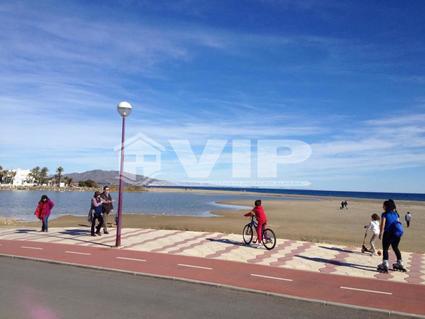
44 209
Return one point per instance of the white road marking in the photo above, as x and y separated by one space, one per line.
194 266
367 290
270 277
77 253
132 259
30 247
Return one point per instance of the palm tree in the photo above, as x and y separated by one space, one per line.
35 175
59 171
9 176
43 175
68 181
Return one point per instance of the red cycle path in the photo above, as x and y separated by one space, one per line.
362 292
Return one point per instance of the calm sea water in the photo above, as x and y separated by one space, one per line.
21 204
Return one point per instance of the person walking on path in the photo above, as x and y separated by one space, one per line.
259 213
374 228
97 203
43 211
408 218
107 207
391 231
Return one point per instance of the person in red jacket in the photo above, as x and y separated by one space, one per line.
261 217
43 210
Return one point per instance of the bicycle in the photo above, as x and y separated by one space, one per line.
269 238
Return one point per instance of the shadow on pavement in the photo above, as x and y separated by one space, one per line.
75 232
341 250
338 263
229 242
26 231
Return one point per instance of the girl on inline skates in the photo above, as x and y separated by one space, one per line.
391 231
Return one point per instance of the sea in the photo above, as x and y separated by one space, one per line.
21 204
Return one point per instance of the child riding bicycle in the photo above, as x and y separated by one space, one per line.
260 215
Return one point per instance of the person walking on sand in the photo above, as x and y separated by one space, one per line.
374 228
97 203
43 211
391 231
260 214
107 207
408 218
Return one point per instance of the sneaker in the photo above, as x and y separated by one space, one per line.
106 232
364 249
98 233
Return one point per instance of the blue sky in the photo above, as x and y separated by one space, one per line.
347 78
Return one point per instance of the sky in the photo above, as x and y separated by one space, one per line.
345 78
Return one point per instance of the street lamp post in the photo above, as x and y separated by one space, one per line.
124 108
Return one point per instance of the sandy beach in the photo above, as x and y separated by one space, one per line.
315 219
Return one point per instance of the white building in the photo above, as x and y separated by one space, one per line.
21 177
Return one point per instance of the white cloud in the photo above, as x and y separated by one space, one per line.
62 74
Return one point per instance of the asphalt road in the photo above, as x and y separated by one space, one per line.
39 290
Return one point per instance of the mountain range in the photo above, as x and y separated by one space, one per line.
102 177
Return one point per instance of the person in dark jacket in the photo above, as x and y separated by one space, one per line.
408 219
107 207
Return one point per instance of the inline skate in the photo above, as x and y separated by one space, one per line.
398 266
382 268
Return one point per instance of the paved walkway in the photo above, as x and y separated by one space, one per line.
324 273
323 258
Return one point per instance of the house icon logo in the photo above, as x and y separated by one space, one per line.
142 157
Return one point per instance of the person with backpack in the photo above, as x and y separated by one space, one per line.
391 231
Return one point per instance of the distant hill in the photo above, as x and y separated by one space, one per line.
102 177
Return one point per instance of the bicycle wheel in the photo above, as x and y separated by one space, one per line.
269 239
247 234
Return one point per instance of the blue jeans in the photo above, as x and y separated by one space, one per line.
45 225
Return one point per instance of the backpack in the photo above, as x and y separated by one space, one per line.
396 229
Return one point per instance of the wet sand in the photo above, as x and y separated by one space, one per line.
302 218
